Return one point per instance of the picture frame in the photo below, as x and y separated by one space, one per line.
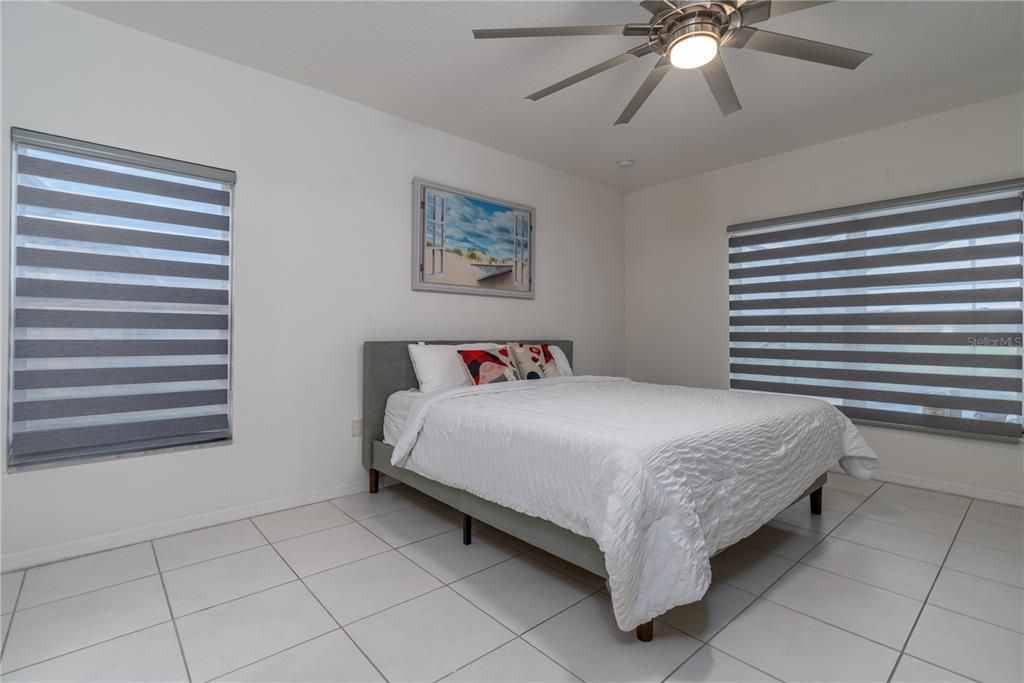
468 243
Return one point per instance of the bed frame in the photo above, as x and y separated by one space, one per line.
387 368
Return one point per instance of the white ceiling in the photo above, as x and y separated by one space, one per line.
418 60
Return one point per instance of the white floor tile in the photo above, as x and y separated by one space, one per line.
521 592
409 525
569 568
229 636
9 586
911 670
783 539
844 482
330 658
329 548
585 640
514 663
997 513
209 583
83 574
389 499
748 569
148 655
799 515
278 526
795 647
429 637
988 563
848 604
359 589
894 539
206 544
713 666
996 603
449 560
891 512
60 627
717 608
929 500
967 646
895 573
996 536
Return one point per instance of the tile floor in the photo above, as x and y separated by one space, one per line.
890 584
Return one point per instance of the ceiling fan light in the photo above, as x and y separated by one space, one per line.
693 51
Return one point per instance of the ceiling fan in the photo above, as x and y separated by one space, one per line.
689 35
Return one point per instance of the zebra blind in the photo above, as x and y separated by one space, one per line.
121 301
906 313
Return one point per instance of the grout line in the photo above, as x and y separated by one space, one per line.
92 590
274 654
549 657
904 526
86 647
319 602
170 612
14 610
865 583
927 597
350 522
983 578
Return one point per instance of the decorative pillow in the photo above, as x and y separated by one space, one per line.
533 361
488 366
439 367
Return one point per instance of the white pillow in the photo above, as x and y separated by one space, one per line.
561 362
439 367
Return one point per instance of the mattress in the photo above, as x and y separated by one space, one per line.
397 411
661 477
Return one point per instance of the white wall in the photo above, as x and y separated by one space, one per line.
677 316
321 263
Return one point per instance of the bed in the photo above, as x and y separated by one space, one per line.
574 487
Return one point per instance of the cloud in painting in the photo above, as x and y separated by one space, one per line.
479 225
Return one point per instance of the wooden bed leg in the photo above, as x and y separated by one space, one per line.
374 480
467 529
645 632
816 502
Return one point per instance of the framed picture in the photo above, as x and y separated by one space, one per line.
466 243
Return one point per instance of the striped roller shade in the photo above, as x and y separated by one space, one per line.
906 313
121 301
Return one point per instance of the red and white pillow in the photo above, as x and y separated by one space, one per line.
534 361
488 366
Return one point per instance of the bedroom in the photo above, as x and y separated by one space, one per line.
263 557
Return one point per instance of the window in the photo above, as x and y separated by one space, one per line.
906 313
120 304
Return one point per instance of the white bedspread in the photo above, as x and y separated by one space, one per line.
662 477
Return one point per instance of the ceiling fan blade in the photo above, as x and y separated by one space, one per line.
657 6
755 11
549 31
645 90
638 51
721 86
797 48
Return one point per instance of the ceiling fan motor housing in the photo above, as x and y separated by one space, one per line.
708 19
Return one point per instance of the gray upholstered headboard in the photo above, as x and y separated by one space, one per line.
387 369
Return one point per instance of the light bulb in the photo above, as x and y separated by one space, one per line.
693 51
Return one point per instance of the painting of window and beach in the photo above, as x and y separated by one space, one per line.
471 244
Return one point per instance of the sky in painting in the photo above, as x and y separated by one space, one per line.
479 225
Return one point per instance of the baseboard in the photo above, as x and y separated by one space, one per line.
944 486
116 539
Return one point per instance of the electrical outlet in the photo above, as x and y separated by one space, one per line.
357 426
